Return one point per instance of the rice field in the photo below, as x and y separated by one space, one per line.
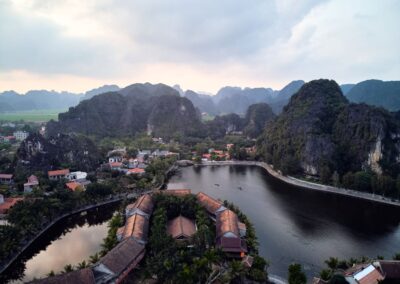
32 116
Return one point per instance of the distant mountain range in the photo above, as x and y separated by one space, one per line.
227 100
46 100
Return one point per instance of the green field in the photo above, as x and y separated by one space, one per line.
34 115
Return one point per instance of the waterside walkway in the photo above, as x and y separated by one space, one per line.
307 184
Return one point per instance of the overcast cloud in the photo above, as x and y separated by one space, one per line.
202 45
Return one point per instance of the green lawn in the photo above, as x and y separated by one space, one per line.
34 115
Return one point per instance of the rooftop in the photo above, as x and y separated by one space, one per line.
73 185
6 176
58 172
209 203
120 257
8 203
83 276
143 203
181 227
136 226
227 222
177 192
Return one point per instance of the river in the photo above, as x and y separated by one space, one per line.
69 241
295 224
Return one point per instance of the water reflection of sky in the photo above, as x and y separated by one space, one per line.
71 248
298 225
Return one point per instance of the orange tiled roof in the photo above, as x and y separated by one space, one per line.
209 203
136 171
58 172
136 226
177 192
8 203
116 164
227 222
73 185
83 276
144 203
181 227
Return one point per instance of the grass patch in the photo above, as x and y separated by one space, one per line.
32 115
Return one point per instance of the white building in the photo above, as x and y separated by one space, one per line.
20 135
77 176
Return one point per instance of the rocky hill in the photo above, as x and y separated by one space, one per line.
62 151
256 119
136 108
377 93
319 129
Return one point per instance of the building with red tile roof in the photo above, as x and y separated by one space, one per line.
58 174
73 185
364 274
143 206
137 227
181 228
135 171
212 205
228 234
119 262
7 203
83 276
391 270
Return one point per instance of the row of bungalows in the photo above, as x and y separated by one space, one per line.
230 231
115 266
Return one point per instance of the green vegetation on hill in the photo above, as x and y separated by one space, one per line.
377 93
320 133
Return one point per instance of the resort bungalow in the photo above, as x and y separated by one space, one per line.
115 266
143 206
212 205
77 176
6 178
58 174
177 192
136 227
82 276
363 273
135 171
31 184
181 228
228 234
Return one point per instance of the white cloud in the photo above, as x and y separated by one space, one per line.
199 44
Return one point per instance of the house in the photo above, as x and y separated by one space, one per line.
133 163
58 174
9 139
228 234
115 159
6 178
116 166
137 227
73 185
389 268
229 146
119 262
135 171
143 206
7 203
206 157
77 176
82 276
363 274
181 228
20 135
210 204
32 183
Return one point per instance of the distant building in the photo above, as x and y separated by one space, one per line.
181 228
7 203
6 178
58 174
20 135
73 185
364 274
116 166
31 184
176 192
77 175
115 159
135 171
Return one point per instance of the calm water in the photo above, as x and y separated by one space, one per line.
68 242
297 225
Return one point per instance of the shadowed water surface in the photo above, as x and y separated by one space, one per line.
298 225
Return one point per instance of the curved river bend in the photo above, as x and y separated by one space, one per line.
69 241
298 225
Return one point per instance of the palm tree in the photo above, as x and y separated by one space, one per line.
68 268
51 274
94 258
82 265
332 263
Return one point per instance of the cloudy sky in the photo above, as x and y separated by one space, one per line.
202 45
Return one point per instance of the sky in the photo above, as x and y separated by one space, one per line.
77 45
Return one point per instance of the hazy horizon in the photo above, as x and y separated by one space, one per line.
77 46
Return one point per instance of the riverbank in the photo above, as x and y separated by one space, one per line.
17 254
307 184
